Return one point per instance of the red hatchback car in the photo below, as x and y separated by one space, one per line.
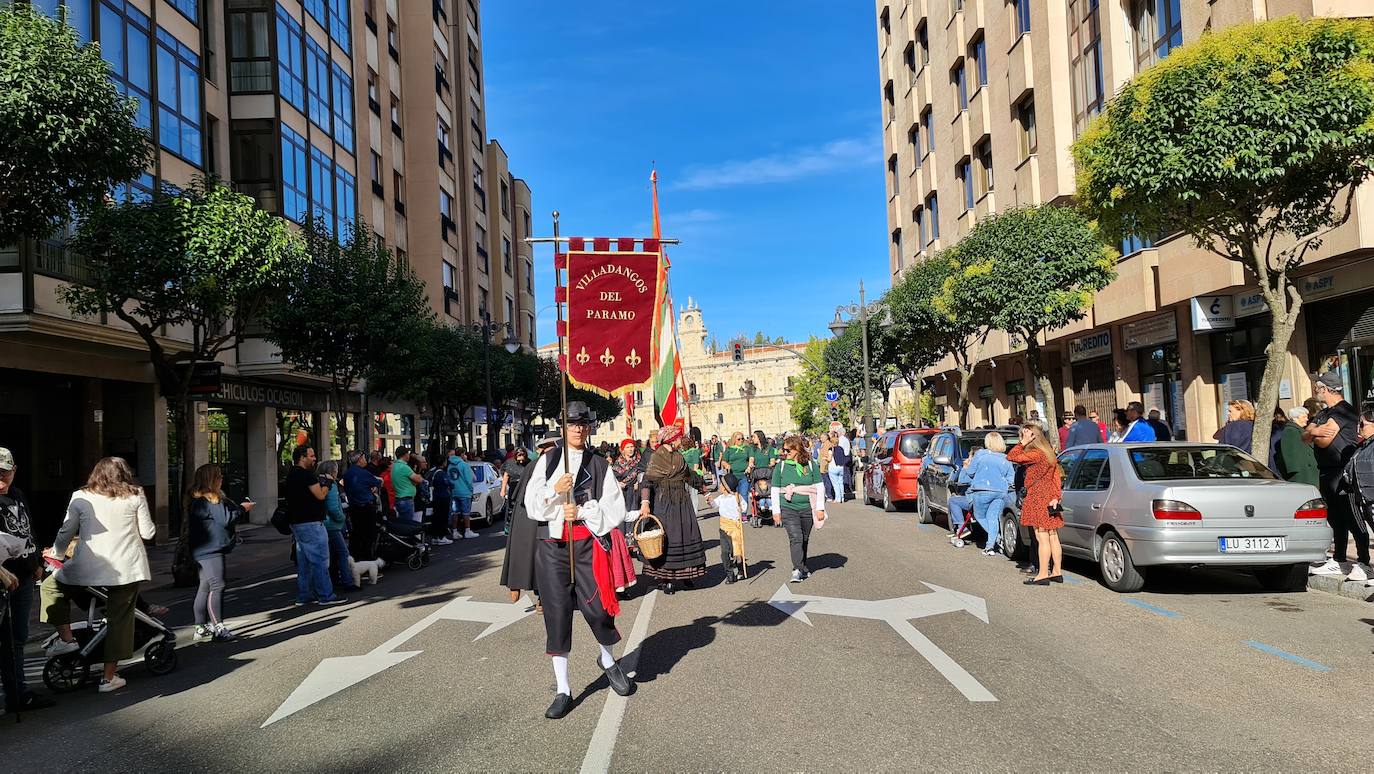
896 462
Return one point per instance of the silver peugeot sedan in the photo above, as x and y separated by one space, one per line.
1130 507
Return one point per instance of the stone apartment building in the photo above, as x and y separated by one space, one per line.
338 107
981 100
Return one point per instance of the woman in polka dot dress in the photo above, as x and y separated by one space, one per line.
1039 509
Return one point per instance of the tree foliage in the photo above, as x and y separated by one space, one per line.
807 406
330 313
1027 271
1251 141
70 136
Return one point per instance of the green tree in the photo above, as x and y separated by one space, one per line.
1251 141
760 339
202 259
69 135
435 364
1027 271
921 333
325 320
844 369
807 406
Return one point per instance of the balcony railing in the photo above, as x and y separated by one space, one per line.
55 260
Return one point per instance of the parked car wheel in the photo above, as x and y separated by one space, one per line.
1009 539
1119 573
923 514
888 504
1286 577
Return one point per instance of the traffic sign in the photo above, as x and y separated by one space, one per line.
832 395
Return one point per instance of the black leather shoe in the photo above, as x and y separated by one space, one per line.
668 588
620 682
1056 579
730 576
1035 582
562 703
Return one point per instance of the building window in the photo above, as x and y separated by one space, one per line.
928 123
317 84
391 40
885 22
909 56
897 244
505 200
919 216
398 185
892 174
445 204
960 79
250 55
253 157
529 328
913 140
1025 121
955 6
321 186
343 108
340 30
889 101
442 132
373 101
1020 13
510 309
1156 29
529 277
476 136
482 301
933 215
77 15
187 8
506 257
983 152
290 59
295 174
376 168
345 202
395 115
450 276
316 10
963 172
125 42
978 52
1132 243
922 44
1086 62
179 118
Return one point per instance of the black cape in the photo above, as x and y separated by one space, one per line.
517 571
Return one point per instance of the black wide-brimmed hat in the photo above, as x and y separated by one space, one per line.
578 411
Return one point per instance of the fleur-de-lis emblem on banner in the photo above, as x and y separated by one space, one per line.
583 357
607 358
634 359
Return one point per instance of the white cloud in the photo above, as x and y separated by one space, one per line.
784 167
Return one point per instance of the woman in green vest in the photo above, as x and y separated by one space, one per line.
799 497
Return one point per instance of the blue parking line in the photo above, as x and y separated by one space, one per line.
1156 610
1299 660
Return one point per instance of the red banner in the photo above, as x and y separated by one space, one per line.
611 300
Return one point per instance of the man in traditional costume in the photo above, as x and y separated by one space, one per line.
581 506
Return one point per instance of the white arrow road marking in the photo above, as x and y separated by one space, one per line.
333 675
898 612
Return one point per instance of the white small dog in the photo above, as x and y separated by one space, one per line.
371 569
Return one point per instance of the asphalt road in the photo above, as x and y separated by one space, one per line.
1202 671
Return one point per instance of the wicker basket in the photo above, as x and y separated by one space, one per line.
650 542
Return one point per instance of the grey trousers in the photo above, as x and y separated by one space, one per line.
209 604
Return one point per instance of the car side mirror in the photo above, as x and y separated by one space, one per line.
940 459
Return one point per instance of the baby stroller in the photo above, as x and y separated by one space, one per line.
71 671
404 541
760 496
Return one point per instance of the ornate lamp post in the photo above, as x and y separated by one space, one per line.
840 324
488 328
748 392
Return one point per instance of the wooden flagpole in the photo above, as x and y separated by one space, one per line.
558 281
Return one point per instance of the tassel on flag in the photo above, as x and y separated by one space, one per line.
576 244
560 260
601 245
625 244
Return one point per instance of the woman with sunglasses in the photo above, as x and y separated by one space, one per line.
799 496
1040 508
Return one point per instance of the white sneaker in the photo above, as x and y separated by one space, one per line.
1331 567
113 684
454 534
957 542
441 542
203 632
991 552
60 647
796 577
471 534
1359 572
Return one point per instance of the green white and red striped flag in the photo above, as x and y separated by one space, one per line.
667 366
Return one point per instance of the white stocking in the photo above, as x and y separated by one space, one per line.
560 673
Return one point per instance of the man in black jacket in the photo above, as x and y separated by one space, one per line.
26 568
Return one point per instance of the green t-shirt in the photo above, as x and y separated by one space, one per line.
400 479
737 458
789 472
763 458
693 457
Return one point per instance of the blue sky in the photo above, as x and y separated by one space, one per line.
762 117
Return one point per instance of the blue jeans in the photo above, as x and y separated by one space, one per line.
836 475
958 506
987 509
405 509
742 486
312 562
339 569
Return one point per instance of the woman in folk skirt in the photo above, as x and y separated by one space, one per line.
684 557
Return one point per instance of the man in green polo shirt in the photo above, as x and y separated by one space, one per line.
403 480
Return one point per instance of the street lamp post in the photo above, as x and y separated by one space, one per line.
489 328
747 392
839 325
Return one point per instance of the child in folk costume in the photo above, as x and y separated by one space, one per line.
731 508
597 507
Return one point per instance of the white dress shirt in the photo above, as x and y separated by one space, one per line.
542 503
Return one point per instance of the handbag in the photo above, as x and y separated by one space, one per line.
281 521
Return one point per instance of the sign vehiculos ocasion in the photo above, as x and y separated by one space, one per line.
612 298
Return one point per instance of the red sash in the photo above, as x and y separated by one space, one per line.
601 568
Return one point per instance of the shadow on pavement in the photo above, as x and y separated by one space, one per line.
662 650
826 562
